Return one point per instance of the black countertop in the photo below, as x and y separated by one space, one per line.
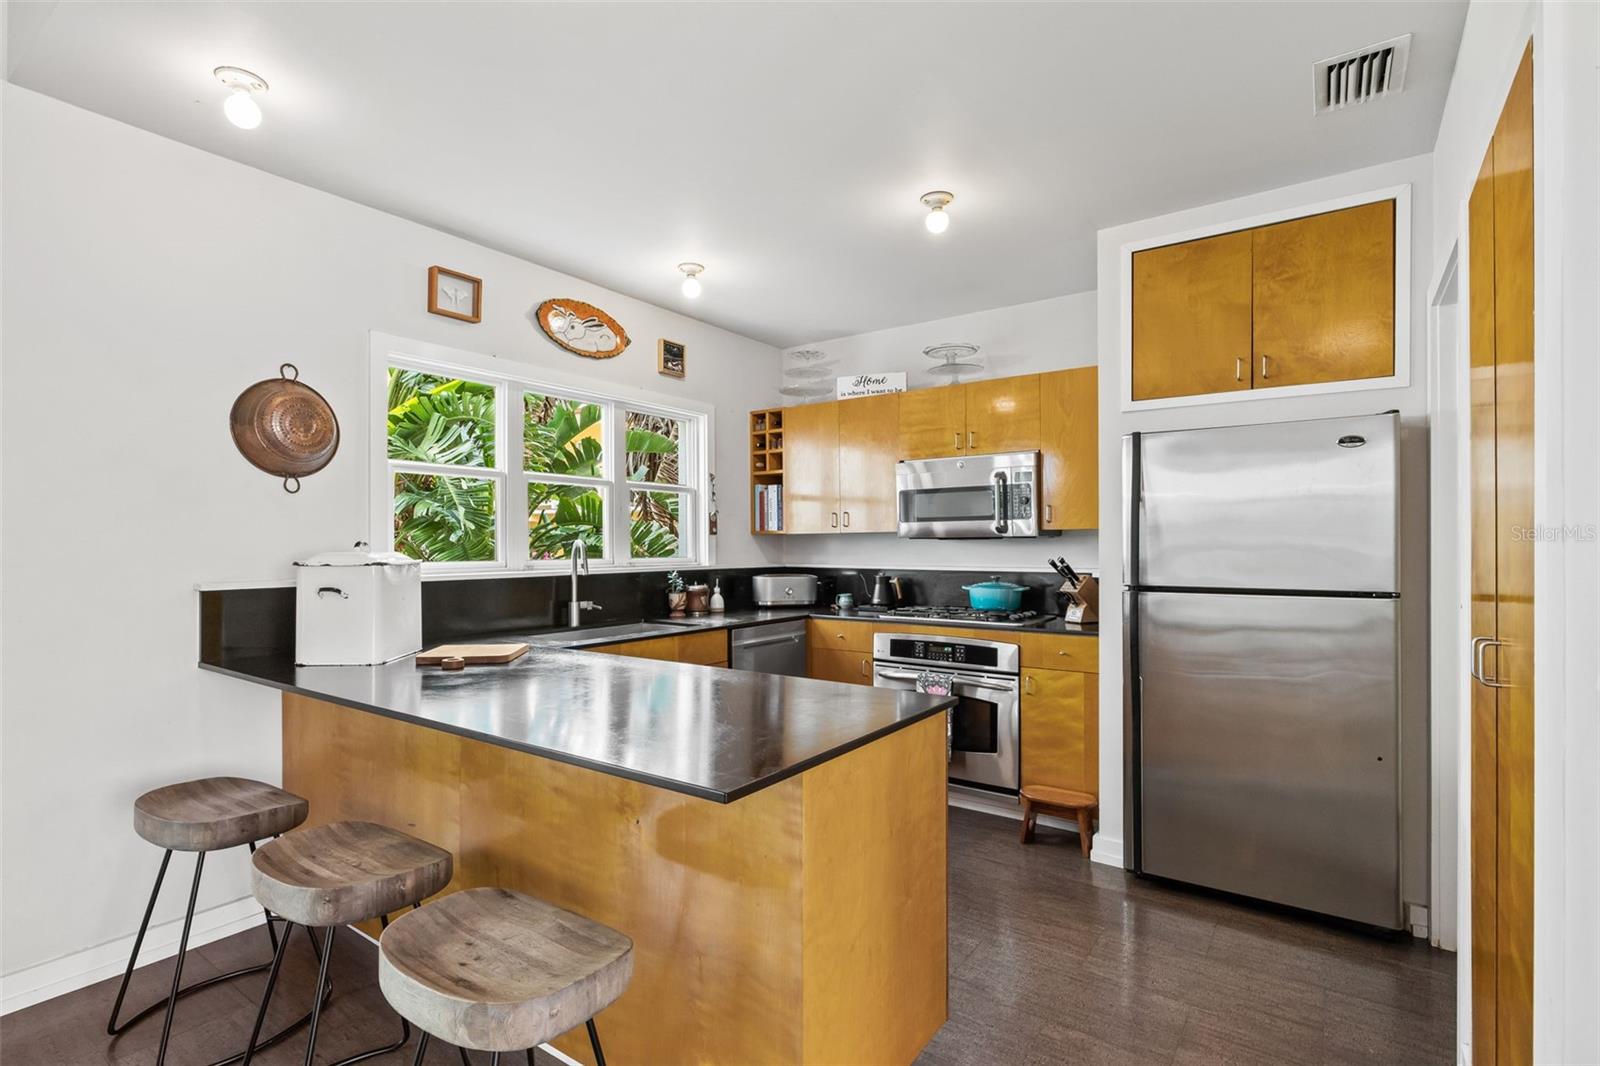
765 615
703 731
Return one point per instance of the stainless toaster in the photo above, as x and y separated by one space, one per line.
784 590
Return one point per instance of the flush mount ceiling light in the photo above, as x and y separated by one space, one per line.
240 106
937 221
691 278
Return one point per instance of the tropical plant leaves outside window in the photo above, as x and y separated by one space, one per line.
653 448
440 420
561 514
444 519
561 436
653 532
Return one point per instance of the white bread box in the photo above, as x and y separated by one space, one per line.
357 608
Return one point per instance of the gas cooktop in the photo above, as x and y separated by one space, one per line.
967 616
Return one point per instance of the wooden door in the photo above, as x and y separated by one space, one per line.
869 438
1191 317
933 422
831 664
811 468
1060 730
1069 444
1501 265
1003 415
1324 297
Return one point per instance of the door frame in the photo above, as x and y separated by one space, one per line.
1400 194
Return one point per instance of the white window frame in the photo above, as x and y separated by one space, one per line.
511 380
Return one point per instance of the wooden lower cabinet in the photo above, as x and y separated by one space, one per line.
832 664
1061 729
703 649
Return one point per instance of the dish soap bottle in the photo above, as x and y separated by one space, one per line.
717 603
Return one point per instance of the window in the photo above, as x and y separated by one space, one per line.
625 477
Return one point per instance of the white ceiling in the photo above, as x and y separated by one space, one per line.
783 145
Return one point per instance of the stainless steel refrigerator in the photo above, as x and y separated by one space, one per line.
1261 637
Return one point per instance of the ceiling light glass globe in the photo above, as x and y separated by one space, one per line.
937 221
691 286
242 110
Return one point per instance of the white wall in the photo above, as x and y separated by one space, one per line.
1051 334
1567 484
1411 401
146 284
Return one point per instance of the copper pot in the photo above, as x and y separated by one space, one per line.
699 598
285 427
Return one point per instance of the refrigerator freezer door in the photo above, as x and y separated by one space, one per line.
1287 505
1269 748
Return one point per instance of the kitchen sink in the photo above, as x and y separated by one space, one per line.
573 638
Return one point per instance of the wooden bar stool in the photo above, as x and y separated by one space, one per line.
210 814
495 970
340 874
1048 799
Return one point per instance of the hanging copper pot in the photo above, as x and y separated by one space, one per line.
285 427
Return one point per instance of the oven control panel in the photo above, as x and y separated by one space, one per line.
954 652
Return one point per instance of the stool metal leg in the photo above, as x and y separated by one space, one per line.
422 1049
272 977
112 1028
316 1002
183 949
405 1024
594 1042
266 993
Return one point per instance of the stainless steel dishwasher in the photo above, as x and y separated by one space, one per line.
775 648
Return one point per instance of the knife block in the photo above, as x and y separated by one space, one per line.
1080 602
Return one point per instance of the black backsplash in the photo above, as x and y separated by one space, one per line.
262 619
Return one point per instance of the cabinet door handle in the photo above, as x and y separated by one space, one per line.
1238 367
972 438
958 440
1264 374
835 519
863 668
1027 684
1049 512
847 520
841 636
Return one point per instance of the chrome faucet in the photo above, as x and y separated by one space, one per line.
580 559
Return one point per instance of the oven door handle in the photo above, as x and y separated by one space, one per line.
967 680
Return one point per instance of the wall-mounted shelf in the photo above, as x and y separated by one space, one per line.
766 471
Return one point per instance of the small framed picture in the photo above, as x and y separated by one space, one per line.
669 358
455 295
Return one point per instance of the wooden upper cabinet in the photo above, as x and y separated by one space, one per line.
1069 445
1002 415
933 422
869 440
811 468
1191 317
1324 297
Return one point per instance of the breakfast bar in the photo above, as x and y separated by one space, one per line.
774 846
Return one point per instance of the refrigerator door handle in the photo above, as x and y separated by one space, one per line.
1479 646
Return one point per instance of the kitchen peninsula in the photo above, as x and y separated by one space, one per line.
774 846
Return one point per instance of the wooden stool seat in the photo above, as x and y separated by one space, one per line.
495 970
346 872
214 813
1052 800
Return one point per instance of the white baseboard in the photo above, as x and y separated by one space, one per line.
1107 851
35 984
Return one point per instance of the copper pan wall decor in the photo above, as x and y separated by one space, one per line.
285 427
582 328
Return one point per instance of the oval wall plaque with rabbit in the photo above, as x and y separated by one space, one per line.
582 328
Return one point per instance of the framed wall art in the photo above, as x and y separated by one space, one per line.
669 358
582 328
455 295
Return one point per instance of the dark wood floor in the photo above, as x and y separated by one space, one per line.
1052 960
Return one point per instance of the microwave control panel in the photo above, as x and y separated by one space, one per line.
1019 496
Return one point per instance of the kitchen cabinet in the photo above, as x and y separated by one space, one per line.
1302 302
811 468
833 664
1323 293
839 634
1060 729
704 649
1191 317
1002 414
868 449
1069 447
933 422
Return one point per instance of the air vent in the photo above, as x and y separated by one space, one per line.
1359 76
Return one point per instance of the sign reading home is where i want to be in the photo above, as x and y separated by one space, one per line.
870 384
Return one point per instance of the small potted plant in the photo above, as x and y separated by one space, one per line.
677 598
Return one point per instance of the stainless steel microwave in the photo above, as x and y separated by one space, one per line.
969 496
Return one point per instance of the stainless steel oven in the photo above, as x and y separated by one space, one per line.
968 496
984 725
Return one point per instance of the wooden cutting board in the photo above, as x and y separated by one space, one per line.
474 654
